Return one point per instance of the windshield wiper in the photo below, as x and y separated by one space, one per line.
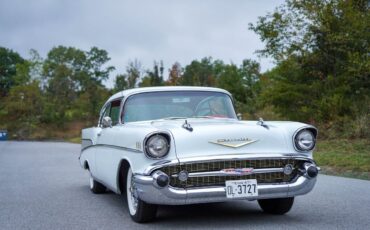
178 118
174 118
202 117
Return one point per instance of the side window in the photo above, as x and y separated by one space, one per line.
114 111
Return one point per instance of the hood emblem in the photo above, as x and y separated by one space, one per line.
234 142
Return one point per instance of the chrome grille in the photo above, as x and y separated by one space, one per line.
262 178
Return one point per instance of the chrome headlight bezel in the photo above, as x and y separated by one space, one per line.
161 139
297 138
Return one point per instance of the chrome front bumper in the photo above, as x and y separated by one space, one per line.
148 191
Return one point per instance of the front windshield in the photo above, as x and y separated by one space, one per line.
177 104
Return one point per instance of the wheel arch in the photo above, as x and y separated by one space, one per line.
86 165
123 167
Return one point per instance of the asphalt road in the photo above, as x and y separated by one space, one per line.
43 187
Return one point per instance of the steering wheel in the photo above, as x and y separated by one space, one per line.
209 112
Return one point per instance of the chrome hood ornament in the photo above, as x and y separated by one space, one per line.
233 142
187 126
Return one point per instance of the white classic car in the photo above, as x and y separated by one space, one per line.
185 145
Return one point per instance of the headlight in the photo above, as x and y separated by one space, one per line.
304 140
157 146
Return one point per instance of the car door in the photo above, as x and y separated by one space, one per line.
107 154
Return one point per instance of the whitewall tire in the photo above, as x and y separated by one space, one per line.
139 210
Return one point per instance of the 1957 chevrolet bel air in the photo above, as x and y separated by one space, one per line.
186 145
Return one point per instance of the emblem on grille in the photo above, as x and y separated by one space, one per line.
234 142
238 171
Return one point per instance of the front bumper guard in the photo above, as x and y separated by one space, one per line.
148 192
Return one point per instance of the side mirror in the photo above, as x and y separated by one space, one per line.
239 116
107 122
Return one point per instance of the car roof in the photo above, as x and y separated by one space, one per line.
128 92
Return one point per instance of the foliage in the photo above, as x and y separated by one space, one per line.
71 73
23 108
154 77
322 53
129 79
243 83
199 73
175 74
8 65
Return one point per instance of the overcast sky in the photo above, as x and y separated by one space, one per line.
168 30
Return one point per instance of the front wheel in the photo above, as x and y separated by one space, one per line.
139 210
277 206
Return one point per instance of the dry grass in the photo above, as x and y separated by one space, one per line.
70 132
344 157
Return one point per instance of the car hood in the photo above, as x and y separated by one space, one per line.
211 137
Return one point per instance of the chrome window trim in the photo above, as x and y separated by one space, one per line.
102 111
124 99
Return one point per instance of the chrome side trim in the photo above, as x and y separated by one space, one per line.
222 173
114 147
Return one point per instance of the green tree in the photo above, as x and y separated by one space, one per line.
69 73
130 78
322 53
120 83
199 73
8 68
23 109
242 82
175 74
154 77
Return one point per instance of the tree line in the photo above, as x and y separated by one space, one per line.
320 48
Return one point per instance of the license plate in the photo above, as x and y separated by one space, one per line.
241 188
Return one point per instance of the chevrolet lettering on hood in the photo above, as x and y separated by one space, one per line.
234 143
185 145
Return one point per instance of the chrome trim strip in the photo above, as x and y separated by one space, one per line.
245 156
114 147
221 173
